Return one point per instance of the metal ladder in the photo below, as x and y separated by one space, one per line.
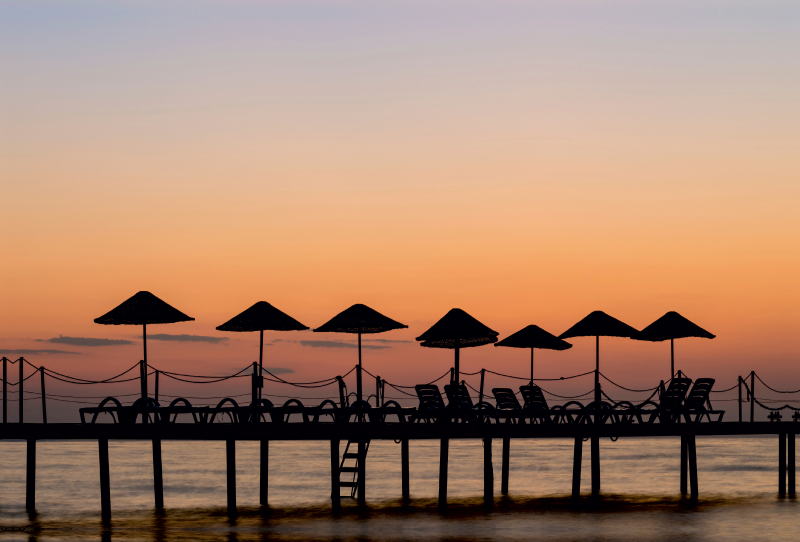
346 470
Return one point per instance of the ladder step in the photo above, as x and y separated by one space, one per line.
350 456
348 484
348 469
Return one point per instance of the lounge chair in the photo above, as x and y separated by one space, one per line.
671 403
458 399
535 402
431 404
698 404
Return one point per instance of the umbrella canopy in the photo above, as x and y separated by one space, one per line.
262 316
534 337
599 324
139 310
457 330
359 319
672 326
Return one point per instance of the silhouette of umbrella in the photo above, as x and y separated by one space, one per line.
457 330
262 316
599 324
359 319
534 337
141 309
672 326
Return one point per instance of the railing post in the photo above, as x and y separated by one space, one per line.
480 393
21 380
378 391
44 397
358 383
752 396
740 398
254 387
158 373
143 379
342 398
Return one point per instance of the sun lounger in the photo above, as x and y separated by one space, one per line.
697 404
671 401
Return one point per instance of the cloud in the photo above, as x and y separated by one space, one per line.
85 341
187 338
279 370
385 341
337 344
28 352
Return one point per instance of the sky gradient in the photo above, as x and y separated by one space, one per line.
528 162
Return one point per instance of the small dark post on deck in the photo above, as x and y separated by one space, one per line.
230 455
444 448
336 499
595 467
404 468
576 470
5 389
488 473
21 383
44 397
684 464
692 445
105 482
791 465
752 395
30 477
782 465
263 491
155 393
740 397
158 480
362 473
506 458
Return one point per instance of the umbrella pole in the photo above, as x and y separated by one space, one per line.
672 356
456 371
261 360
531 366
597 369
358 371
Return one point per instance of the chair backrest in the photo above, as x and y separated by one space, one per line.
534 398
698 397
676 392
458 395
505 399
430 398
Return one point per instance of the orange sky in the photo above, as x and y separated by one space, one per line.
528 164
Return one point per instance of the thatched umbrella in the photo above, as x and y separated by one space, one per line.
534 337
359 319
599 324
456 330
141 309
262 316
672 326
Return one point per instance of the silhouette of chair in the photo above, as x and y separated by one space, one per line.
458 399
671 403
698 404
535 403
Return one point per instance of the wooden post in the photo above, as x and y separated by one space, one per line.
336 499
740 399
105 482
595 467
30 477
21 362
506 458
378 391
684 464
488 473
44 397
155 394
358 371
791 465
782 465
444 446
254 390
752 395
158 480
576 470
143 378
5 389
230 455
362 473
404 469
480 391
456 371
692 445
263 491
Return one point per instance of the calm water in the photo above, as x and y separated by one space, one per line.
738 486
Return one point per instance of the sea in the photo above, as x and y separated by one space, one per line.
738 499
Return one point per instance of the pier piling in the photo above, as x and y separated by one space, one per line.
336 499
595 467
782 465
791 465
444 448
576 469
263 486
158 480
105 481
362 473
488 473
684 465
506 458
30 477
230 455
404 468
692 449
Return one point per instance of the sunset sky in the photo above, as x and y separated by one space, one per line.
528 162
